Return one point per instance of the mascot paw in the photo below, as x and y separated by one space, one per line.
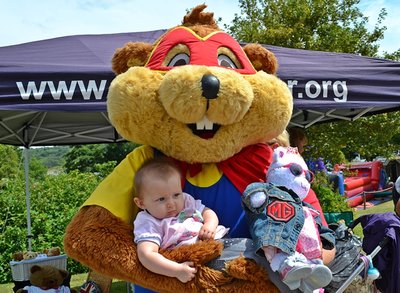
199 253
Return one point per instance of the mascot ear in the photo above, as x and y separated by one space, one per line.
261 58
132 54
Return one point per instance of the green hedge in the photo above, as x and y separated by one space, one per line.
54 201
331 201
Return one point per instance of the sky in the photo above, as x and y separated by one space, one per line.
29 20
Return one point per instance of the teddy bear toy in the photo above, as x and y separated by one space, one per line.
26 255
52 251
46 279
200 98
277 205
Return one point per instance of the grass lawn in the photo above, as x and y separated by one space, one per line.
116 287
76 282
378 209
120 286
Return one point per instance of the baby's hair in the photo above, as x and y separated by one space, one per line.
158 167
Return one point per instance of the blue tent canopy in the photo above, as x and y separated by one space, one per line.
54 91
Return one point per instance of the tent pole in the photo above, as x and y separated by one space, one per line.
28 195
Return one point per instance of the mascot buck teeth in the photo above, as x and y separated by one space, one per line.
199 98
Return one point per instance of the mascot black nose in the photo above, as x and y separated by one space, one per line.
210 85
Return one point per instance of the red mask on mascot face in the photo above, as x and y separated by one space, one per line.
203 51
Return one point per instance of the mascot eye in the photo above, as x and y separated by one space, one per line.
179 60
225 61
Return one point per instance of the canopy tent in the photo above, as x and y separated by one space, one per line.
53 92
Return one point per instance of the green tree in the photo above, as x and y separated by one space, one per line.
118 151
370 137
335 26
85 157
54 201
393 56
9 162
324 25
50 156
37 170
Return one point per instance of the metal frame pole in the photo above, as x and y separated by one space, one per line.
27 197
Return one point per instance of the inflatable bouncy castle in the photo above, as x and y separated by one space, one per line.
366 176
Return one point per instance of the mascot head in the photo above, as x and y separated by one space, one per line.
195 94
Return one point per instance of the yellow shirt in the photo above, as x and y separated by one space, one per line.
116 191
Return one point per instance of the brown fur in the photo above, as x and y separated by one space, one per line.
154 109
111 232
201 22
132 54
261 58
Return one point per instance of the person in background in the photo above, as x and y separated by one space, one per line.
298 138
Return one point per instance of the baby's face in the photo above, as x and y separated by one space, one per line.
163 198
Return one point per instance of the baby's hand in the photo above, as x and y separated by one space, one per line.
186 272
207 231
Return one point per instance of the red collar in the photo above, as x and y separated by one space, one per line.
247 166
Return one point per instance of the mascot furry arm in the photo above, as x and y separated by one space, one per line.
196 96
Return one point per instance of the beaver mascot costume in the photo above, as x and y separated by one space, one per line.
199 98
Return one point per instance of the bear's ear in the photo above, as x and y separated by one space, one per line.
132 54
35 268
261 58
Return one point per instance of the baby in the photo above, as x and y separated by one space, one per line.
170 218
